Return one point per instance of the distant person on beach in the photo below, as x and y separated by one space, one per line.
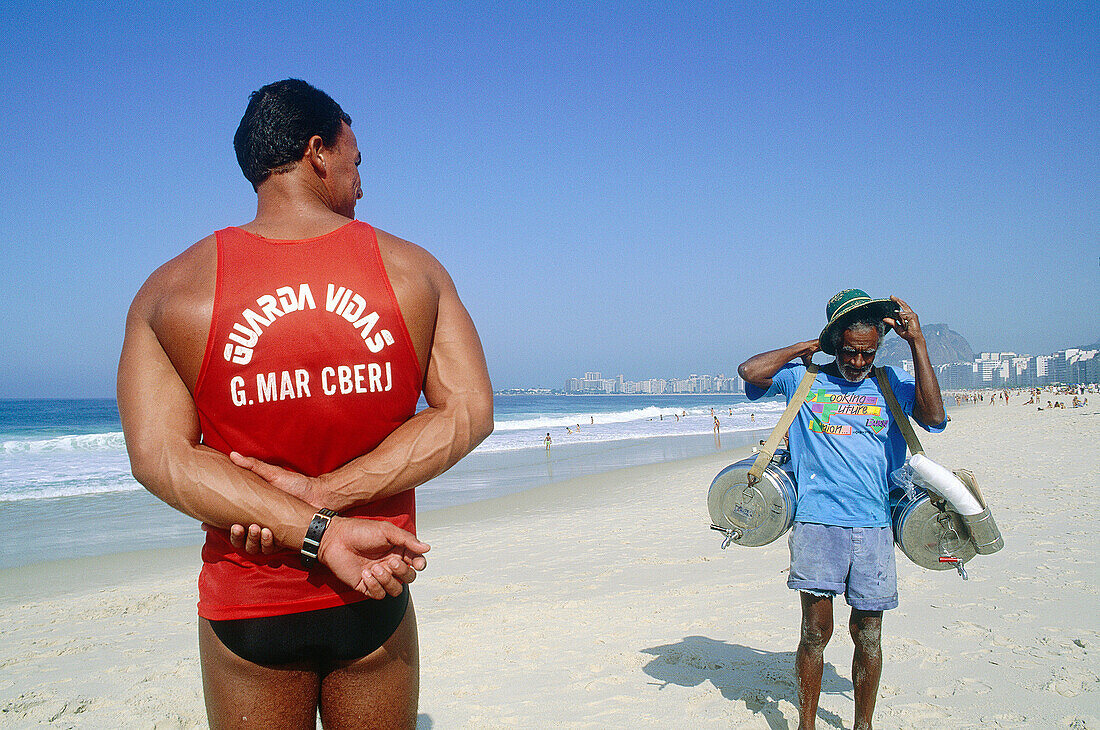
319 335
549 440
843 446
716 424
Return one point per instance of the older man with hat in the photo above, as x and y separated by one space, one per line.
844 444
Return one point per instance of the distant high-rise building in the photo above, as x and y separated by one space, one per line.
1089 367
989 368
1058 367
957 375
1081 364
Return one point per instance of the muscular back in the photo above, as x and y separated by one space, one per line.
178 299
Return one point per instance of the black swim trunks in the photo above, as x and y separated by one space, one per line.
322 637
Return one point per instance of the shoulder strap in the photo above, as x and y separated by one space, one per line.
898 414
768 450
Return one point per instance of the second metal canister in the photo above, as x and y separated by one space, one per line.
926 533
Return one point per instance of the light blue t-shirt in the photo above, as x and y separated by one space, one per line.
844 444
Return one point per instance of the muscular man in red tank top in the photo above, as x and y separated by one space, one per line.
269 376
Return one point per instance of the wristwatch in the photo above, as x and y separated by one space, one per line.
312 541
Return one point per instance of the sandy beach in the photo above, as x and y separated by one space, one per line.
605 601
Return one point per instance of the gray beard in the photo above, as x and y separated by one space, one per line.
844 373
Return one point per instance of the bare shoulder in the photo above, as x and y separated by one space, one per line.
180 280
424 291
412 266
176 303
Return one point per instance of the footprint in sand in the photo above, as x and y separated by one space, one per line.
1072 682
965 686
968 629
1007 719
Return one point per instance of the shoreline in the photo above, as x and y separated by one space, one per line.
51 578
97 572
100 524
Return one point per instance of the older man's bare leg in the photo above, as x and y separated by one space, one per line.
817 629
866 629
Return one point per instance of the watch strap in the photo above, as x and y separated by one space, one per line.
312 542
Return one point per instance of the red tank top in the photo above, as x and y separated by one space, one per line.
308 365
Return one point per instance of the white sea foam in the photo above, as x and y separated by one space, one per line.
641 423
564 420
64 466
85 442
637 414
95 463
119 482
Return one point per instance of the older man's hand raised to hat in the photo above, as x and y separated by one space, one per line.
905 323
928 403
759 369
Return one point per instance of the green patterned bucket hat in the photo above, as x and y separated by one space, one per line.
846 307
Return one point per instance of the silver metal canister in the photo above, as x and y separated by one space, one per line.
758 514
982 528
929 534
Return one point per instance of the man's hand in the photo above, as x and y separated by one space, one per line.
905 323
808 356
257 539
254 540
374 557
307 489
760 369
928 402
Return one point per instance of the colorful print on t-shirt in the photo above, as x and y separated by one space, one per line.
836 413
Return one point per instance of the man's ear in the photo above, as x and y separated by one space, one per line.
314 154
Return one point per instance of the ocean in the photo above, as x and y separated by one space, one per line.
66 488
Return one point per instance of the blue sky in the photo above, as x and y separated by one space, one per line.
650 189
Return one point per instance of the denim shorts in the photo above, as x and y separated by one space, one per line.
856 561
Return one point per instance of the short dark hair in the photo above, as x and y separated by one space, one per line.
278 123
857 324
